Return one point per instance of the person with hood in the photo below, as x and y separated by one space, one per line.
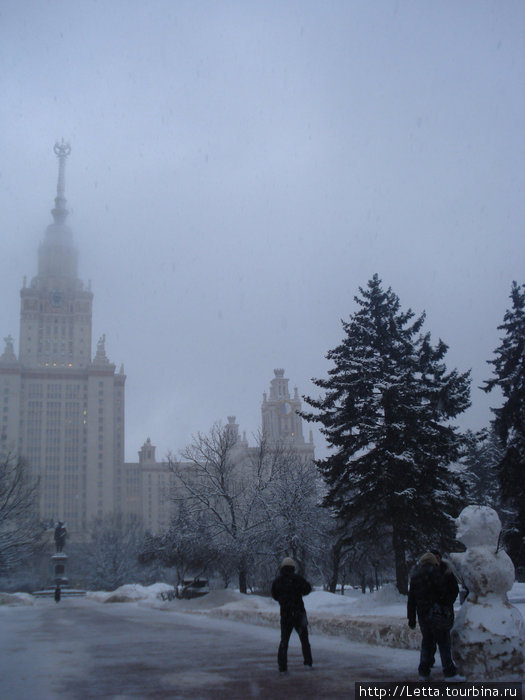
431 597
288 590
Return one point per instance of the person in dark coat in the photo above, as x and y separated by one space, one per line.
431 597
449 584
288 590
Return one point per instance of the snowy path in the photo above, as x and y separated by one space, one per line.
81 649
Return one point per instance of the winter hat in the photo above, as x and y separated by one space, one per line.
429 558
288 562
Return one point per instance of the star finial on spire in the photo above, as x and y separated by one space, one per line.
62 150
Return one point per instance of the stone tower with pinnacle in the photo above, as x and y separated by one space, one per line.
64 409
281 422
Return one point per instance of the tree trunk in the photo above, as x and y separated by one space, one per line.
336 559
398 545
243 581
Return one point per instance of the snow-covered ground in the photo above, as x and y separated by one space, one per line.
375 618
247 623
84 649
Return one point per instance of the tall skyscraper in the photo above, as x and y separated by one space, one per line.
63 411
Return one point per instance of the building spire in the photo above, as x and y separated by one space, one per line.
62 150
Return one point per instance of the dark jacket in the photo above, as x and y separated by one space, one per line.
430 584
288 590
424 592
448 585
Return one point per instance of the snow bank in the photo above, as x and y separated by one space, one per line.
370 629
387 601
517 593
16 599
202 604
130 593
357 617
377 618
390 632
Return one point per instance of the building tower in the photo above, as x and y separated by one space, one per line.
281 422
63 411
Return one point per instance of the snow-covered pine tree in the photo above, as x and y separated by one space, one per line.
385 412
509 422
481 458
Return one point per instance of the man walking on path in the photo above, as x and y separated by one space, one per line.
288 590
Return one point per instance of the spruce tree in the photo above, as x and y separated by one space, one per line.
481 456
384 413
509 422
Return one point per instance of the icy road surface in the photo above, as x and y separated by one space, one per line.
84 649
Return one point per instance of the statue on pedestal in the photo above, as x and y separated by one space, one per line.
60 536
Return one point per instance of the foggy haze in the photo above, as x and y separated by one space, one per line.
239 169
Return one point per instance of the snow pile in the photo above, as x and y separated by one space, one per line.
369 629
218 598
323 602
356 616
16 599
386 601
131 592
377 618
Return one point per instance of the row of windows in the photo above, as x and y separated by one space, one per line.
63 322
71 407
72 391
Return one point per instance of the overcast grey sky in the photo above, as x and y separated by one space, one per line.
239 169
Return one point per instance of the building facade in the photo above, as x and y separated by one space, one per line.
63 411
151 484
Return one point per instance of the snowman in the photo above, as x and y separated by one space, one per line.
488 637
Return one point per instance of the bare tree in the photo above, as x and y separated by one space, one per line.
183 547
301 525
20 526
111 553
230 486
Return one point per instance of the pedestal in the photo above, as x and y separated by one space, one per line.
59 561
